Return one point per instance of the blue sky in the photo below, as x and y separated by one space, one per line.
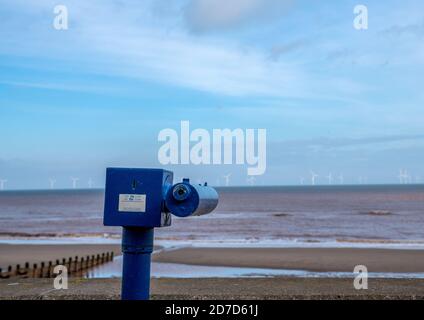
332 98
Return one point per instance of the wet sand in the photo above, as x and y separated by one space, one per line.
222 288
12 254
309 259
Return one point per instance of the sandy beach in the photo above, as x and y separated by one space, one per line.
219 288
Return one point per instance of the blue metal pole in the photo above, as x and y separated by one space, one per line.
137 247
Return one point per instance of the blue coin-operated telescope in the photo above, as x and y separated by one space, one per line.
140 200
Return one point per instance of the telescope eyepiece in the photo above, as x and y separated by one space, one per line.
181 192
185 199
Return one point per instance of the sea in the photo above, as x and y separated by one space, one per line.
273 216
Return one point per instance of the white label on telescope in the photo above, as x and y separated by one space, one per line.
132 203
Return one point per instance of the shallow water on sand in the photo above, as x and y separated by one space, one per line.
174 270
312 214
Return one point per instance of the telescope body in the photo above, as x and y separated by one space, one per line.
140 200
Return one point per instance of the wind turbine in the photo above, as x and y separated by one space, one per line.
330 178
313 177
251 180
90 183
52 183
74 182
404 176
227 179
363 180
2 183
302 181
408 177
341 179
401 176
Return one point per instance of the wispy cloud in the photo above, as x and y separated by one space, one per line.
280 49
218 15
121 39
61 86
331 143
414 29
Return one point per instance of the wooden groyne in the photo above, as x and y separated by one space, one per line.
76 266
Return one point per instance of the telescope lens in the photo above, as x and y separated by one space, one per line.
181 192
